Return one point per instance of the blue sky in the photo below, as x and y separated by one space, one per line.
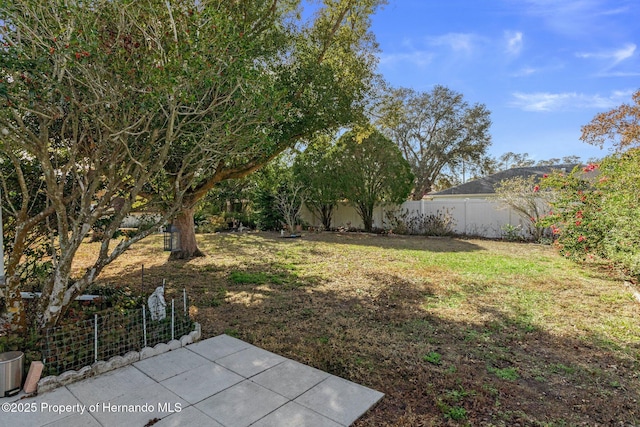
543 68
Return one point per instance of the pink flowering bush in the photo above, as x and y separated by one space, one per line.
574 221
595 211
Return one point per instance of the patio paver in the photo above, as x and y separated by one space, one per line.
294 415
187 418
218 382
171 363
290 378
242 404
198 384
250 361
340 400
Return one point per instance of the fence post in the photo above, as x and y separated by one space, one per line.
466 200
95 336
173 318
144 325
184 300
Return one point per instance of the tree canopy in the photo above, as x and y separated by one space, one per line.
435 130
153 102
372 171
620 125
317 170
321 81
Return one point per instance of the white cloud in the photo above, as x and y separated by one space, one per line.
525 71
618 11
616 55
458 42
421 56
528 70
611 59
620 74
418 58
514 42
575 17
567 101
626 52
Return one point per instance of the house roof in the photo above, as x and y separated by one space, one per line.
486 185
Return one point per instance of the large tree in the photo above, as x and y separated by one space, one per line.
372 171
511 160
435 130
619 126
116 103
322 78
317 170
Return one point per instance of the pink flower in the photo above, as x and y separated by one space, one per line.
581 239
536 188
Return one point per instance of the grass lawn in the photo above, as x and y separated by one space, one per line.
454 332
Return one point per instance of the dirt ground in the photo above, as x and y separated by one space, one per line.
454 332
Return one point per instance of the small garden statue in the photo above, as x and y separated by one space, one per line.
157 304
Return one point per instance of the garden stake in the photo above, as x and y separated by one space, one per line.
173 317
144 325
95 336
184 301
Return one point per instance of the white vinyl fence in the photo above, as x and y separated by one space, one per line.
483 217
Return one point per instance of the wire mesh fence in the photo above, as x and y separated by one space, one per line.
112 333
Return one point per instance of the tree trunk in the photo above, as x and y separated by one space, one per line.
14 316
423 187
326 212
186 228
368 223
366 214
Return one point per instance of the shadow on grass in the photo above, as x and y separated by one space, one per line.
481 363
444 244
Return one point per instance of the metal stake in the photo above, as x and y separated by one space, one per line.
95 336
144 325
173 318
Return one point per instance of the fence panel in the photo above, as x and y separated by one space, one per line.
109 334
472 216
66 348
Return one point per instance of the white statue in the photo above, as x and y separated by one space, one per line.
157 304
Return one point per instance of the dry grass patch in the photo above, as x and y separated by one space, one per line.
454 332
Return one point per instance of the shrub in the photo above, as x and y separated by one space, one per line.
523 195
512 233
438 224
596 214
212 224
404 222
574 219
397 221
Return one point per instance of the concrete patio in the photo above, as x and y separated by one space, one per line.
221 381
